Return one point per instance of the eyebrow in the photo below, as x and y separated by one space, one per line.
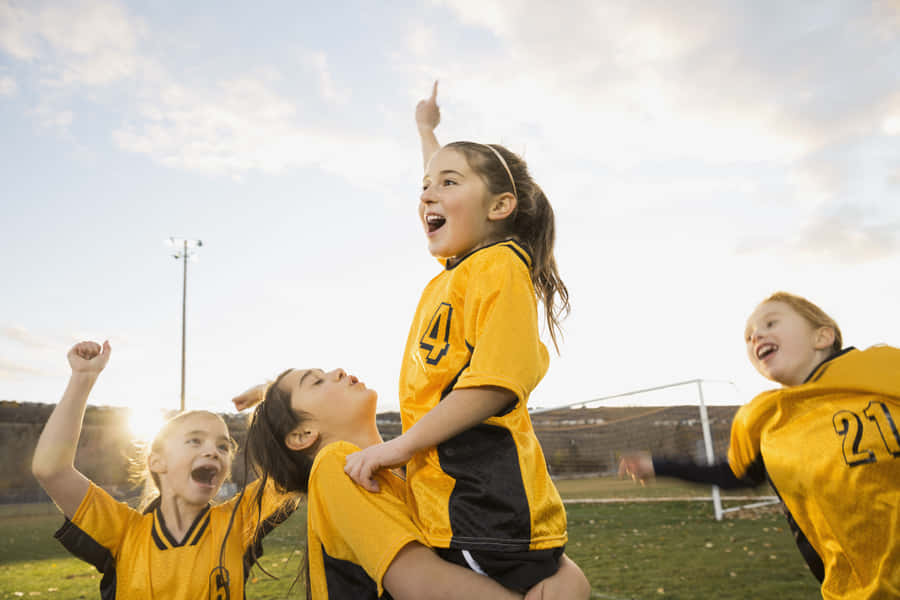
444 172
304 376
764 316
204 432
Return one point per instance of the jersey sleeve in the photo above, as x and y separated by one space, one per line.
744 450
501 326
104 519
352 524
719 474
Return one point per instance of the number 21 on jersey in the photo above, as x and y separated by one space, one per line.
850 426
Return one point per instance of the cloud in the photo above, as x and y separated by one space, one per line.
25 337
630 83
244 125
8 86
10 371
329 92
88 42
52 117
846 235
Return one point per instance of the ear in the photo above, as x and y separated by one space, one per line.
502 206
157 463
824 338
301 438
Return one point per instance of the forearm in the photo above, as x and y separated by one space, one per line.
417 572
459 411
719 474
430 145
58 442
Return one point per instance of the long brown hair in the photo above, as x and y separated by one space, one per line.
271 422
532 223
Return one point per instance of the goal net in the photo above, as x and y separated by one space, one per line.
584 441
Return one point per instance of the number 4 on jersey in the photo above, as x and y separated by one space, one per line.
436 339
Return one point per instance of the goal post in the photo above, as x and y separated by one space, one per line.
585 439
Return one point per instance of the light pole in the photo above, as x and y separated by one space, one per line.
184 249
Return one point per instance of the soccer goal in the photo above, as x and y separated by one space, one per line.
584 440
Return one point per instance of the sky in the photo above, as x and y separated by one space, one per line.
698 156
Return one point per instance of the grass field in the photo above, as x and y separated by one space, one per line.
628 550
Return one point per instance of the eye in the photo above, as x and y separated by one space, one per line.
771 324
318 381
193 441
447 182
224 447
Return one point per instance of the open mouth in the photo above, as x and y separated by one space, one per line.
434 222
765 350
204 475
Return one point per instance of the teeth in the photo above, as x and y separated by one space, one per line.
765 350
433 218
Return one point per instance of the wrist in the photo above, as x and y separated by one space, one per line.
84 376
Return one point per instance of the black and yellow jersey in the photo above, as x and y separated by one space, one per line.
487 488
831 448
353 535
139 558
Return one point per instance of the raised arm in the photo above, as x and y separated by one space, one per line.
53 464
428 116
460 410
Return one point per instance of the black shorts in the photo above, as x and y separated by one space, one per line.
519 571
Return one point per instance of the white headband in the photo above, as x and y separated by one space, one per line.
505 166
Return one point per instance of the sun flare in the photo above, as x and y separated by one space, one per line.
145 422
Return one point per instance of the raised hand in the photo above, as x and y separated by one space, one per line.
249 398
638 466
428 114
89 357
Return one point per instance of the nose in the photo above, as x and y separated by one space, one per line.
338 374
427 196
210 450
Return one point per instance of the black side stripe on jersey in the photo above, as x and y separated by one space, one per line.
349 580
86 548
452 384
809 554
504 411
255 550
488 507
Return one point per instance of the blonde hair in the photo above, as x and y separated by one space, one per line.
142 476
814 315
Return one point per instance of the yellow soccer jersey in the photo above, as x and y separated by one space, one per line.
487 488
140 559
353 535
832 450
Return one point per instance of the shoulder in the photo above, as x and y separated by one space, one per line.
875 370
331 458
508 254
505 253
760 408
